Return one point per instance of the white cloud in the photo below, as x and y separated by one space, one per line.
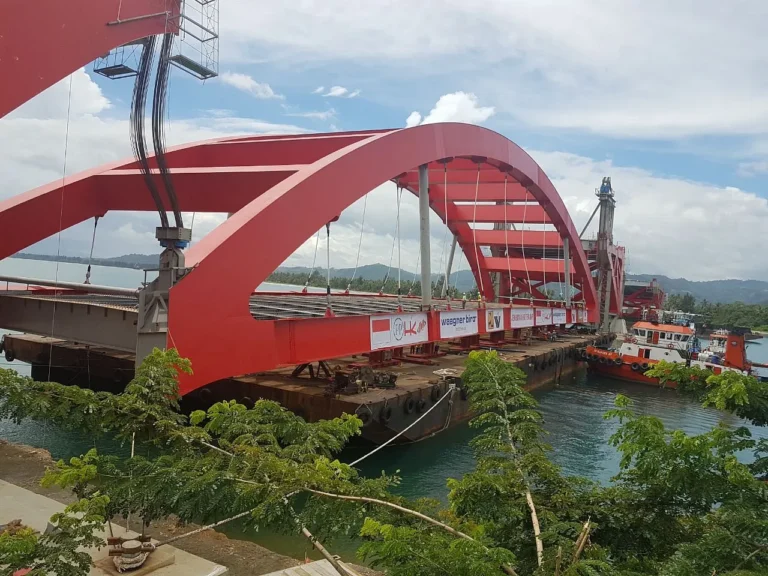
455 107
315 115
32 142
753 168
337 92
641 68
414 119
247 84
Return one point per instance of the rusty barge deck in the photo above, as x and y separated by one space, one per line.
385 411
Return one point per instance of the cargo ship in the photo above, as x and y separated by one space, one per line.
648 343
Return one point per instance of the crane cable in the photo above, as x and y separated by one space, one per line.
443 262
474 235
359 244
158 117
522 246
399 266
391 256
90 256
506 240
314 260
138 142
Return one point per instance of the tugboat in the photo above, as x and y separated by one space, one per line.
632 354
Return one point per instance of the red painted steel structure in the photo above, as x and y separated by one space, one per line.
43 41
281 189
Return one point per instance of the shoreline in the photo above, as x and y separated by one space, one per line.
25 465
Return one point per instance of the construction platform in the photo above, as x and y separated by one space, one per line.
385 411
35 510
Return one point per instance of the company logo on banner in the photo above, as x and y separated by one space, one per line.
543 316
582 316
521 317
494 320
462 323
398 330
559 316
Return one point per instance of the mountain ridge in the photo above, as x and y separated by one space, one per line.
715 291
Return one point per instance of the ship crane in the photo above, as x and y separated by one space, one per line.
608 260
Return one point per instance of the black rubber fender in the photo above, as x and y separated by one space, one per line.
601 359
645 366
435 393
365 418
463 394
635 366
618 361
9 355
409 405
421 405
385 415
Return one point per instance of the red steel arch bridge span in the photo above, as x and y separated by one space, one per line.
500 207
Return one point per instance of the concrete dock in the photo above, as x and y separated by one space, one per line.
34 510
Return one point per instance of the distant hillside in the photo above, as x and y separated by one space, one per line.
463 280
136 261
723 291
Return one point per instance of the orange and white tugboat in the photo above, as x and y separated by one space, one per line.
647 343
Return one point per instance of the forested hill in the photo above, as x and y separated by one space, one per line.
722 291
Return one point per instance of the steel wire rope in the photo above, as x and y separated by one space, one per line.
138 143
314 260
415 273
61 221
443 256
474 235
90 255
544 262
506 241
404 430
359 243
522 247
458 271
391 257
399 266
328 266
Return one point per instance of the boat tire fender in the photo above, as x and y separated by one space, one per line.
645 366
386 414
421 405
409 405
435 393
635 366
9 355
618 361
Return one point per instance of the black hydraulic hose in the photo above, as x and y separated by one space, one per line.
158 124
138 105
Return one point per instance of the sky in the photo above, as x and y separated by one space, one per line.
670 99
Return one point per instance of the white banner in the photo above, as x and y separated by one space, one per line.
455 324
559 316
543 316
494 319
522 317
396 330
582 316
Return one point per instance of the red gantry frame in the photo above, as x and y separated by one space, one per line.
280 191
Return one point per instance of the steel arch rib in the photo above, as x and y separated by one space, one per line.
42 41
210 320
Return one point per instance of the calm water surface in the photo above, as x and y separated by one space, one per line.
573 418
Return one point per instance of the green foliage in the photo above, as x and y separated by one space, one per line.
681 505
60 551
732 391
754 316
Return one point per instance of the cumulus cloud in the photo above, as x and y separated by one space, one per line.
247 84
638 77
315 114
455 107
337 92
32 141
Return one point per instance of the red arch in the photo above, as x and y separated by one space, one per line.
42 41
243 251
281 189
